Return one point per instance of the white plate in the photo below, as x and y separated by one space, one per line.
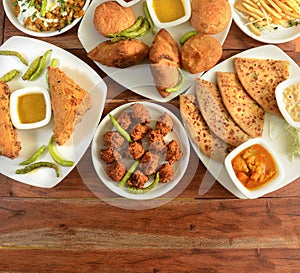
9 11
273 129
281 35
179 167
31 140
137 78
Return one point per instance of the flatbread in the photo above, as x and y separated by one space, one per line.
207 142
242 108
260 77
216 115
69 103
10 146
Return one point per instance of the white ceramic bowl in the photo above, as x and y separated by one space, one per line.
279 97
264 189
159 24
9 11
123 3
13 105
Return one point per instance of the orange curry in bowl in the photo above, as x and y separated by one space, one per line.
254 166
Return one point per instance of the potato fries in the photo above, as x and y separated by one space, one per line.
264 14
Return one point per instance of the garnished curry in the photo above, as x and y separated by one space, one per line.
254 166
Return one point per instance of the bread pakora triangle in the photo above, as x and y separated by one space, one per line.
260 77
208 143
242 108
216 115
9 144
69 103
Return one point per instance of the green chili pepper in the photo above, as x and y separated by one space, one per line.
138 23
122 131
187 36
56 157
32 68
9 75
129 173
37 165
146 189
179 85
148 17
43 8
31 3
14 53
41 66
35 156
53 64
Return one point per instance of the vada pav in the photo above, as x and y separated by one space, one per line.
210 16
111 18
200 53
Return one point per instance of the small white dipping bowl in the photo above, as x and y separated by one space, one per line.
125 4
268 187
14 113
159 24
280 99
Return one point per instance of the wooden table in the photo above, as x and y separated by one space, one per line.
69 229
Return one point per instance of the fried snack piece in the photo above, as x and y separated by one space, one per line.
69 103
111 18
242 108
216 115
9 144
260 77
210 16
207 142
164 58
200 53
120 54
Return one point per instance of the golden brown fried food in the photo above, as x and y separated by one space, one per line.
200 53
164 58
69 103
110 17
120 54
210 16
9 144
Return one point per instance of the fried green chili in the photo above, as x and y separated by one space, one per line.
32 68
10 75
146 189
187 36
122 131
148 17
35 156
129 173
56 157
14 53
138 23
179 85
41 65
37 165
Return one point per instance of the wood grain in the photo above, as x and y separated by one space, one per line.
80 226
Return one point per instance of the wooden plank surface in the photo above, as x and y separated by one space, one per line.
79 226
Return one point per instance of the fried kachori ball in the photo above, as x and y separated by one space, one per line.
210 16
200 53
110 17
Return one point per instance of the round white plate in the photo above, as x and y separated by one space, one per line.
9 11
280 35
179 167
137 78
31 140
273 132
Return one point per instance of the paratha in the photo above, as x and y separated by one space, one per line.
208 143
10 146
216 115
260 77
242 108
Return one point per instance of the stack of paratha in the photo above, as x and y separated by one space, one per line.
225 114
